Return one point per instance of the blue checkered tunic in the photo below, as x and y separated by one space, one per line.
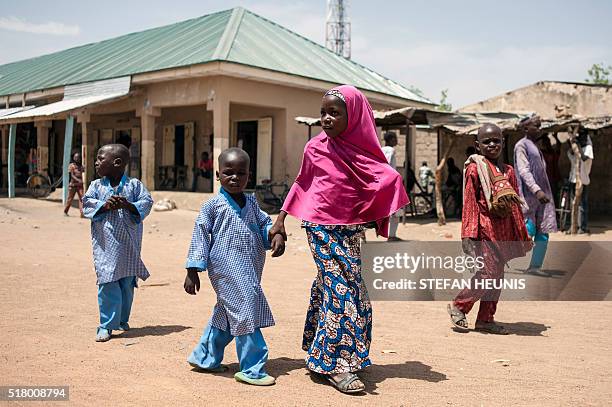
231 244
116 236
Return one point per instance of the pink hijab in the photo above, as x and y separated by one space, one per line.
346 180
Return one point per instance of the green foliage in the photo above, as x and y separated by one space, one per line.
599 74
444 105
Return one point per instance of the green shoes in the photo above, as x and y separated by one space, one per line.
267 380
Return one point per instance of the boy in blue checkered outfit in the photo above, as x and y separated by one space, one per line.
230 239
116 205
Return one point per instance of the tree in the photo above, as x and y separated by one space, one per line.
599 74
444 105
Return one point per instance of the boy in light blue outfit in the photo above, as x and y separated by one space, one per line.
116 205
230 239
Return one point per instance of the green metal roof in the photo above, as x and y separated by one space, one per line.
235 35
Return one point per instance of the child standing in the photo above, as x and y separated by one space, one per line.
492 215
230 239
116 205
75 169
389 151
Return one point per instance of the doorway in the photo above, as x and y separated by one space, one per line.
246 139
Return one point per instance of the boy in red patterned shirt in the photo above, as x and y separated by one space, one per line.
491 215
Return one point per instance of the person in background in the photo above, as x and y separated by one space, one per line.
454 183
205 165
426 177
411 180
204 169
533 185
75 186
551 156
389 151
585 146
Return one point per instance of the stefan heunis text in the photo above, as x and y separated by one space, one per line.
449 284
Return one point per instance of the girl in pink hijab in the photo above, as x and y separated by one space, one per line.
345 185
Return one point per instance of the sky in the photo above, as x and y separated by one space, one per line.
476 49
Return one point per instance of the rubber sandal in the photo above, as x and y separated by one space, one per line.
267 380
218 369
103 335
457 316
491 328
343 385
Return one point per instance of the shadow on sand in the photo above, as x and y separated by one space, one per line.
371 376
376 374
153 330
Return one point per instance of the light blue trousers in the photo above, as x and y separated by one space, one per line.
115 302
541 244
251 349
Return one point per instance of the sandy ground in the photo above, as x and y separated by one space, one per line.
559 354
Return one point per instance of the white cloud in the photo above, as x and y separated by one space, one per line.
51 27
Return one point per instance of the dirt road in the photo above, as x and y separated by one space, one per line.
560 353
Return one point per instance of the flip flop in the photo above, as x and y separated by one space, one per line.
343 385
218 369
457 316
124 327
267 380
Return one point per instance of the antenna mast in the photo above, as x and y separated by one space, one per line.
338 28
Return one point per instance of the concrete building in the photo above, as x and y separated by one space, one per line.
230 78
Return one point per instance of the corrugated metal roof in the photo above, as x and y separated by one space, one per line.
13 110
76 96
181 44
235 35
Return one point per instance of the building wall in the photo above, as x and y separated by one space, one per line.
542 97
425 142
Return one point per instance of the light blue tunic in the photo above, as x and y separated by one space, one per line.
231 244
117 235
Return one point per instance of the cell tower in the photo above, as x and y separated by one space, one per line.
338 28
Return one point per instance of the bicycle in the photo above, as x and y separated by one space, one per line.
565 206
269 200
41 185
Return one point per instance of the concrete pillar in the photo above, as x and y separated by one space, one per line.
68 134
4 131
87 149
221 132
147 147
42 145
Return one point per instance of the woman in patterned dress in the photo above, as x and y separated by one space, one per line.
345 185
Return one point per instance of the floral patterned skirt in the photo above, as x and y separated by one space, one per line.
338 328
